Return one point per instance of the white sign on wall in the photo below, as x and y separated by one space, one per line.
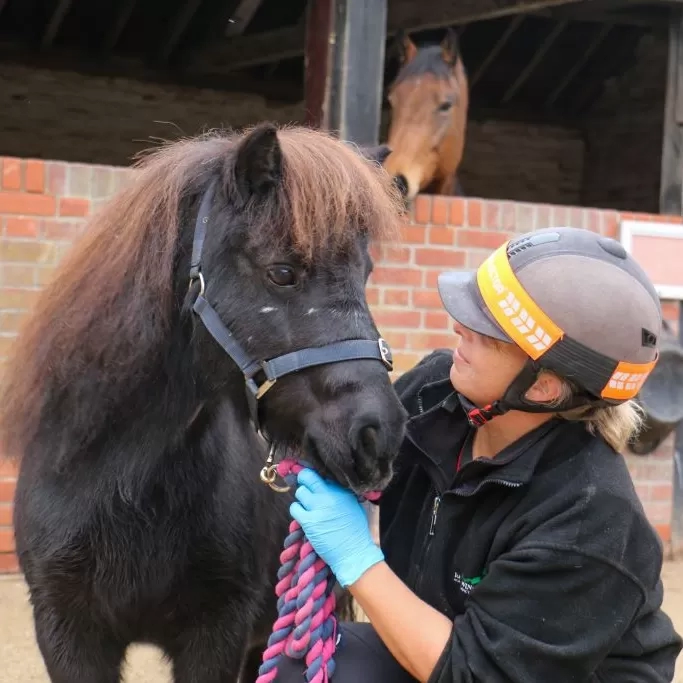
658 248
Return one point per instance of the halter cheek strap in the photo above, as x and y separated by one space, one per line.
269 371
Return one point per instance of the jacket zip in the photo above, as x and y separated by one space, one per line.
502 482
437 502
435 514
417 580
413 579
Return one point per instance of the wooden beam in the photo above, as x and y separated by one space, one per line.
538 56
502 42
601 14
598 39
263 48
135 69
522 113
317 60
117 26
620 57
55 21
354 92
671 183
211 35
177 27
243 14
253 50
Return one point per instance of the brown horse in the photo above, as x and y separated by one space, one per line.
429 102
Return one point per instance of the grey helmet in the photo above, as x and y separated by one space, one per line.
576 302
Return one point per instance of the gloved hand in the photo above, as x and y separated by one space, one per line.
336 525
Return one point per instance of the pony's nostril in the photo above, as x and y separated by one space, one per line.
402 184
366 438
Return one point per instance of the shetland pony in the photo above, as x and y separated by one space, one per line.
213 318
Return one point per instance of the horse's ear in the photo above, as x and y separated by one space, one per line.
258 166
450 47
378 154
405 47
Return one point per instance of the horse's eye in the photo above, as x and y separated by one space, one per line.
445 106
282 275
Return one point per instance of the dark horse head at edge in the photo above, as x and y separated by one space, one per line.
139 513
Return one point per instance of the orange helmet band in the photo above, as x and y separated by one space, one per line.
515 311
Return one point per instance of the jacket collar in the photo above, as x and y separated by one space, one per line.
439 431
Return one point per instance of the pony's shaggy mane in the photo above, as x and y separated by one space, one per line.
108 311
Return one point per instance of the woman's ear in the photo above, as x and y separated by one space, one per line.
546 389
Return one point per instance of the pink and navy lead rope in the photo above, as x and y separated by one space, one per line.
306 625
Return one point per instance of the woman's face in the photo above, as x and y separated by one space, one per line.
483 368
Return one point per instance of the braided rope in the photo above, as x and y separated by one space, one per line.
306 626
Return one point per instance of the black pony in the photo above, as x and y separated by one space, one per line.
155 376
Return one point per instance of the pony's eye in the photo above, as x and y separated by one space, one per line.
445 106
282 275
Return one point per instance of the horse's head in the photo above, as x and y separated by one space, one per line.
429 101
282 264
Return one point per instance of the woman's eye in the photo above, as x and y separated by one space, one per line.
282 276
445 106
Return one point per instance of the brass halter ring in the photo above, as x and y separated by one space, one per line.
269 473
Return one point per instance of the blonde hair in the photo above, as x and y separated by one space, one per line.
617 425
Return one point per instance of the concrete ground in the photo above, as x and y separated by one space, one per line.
20 660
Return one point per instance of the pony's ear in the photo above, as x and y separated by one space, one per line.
258 166
450 47
405 47
377 154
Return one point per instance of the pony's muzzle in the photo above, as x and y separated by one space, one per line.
362 460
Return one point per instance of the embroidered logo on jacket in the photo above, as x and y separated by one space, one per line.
467 584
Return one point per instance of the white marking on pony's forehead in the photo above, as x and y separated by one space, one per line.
311 310
268 309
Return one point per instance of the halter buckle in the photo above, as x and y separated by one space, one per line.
269 473
385 353
259 391
202 284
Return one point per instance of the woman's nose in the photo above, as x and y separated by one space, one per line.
461 330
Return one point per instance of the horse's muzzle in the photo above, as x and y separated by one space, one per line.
401 183
363 461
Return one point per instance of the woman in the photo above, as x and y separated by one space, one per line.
513 545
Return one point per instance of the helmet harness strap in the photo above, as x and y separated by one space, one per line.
514 399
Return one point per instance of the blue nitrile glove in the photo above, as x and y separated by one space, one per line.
336 525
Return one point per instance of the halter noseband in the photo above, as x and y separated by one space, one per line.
270 370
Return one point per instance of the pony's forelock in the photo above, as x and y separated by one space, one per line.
330 194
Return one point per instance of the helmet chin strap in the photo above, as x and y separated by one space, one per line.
514 399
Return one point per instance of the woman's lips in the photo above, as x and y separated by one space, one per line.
458 357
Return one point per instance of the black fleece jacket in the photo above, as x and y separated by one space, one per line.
542 556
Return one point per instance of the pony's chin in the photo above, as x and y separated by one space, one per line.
346 473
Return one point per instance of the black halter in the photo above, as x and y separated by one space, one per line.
269 370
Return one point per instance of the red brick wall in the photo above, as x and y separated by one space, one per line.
42 210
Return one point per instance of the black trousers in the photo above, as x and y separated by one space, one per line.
361 657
